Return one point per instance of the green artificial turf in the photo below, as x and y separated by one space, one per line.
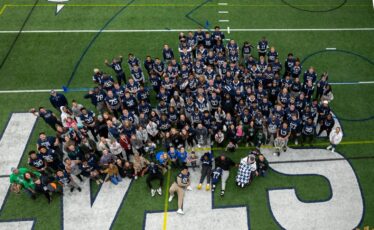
47 60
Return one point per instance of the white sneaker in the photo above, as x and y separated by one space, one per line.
171 198
159 191
189 188
333 150
136 177
180 212
153 192
329 147
296 142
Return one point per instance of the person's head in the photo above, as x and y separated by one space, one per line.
184 170
42 136
42 149
14 170
261 157
337 129
284 125
27 176
32 154
59 173
309 120
223 157
67 161
127 164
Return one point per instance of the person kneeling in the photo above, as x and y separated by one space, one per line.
182 182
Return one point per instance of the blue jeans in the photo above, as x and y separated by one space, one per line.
115 179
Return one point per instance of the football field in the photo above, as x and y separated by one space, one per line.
47 45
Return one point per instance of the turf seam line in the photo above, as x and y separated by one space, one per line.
18 34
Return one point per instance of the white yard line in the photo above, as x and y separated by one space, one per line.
222 4
85 89
29 91
178 30
223 12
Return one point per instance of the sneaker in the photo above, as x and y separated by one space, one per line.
199 186
72 189
79 189
171 198
222 192
97 182
136 177
180 212
101 181
284 149
189 188
329 147
275 154
159 191
207 188
296 142
333 150
153 192
213 187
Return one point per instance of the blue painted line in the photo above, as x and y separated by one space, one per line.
93 41
188 15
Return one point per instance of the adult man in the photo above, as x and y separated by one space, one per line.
181 183
154 172
225 163
116 65
48 116
57 100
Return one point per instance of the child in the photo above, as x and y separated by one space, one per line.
192 159
231 147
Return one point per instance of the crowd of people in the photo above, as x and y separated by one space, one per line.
147 122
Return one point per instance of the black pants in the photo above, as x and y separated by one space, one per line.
323 127
152 177
121 77
206 171
307 138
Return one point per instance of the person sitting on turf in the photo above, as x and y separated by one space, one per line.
216 176
112 173
262 165
140 165
154 172
65 180
225 163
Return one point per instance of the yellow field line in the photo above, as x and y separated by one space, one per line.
291 145
166 204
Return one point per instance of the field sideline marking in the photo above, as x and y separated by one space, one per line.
179 30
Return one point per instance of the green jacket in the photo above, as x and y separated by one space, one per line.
18 178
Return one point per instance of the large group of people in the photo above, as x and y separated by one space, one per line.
146 123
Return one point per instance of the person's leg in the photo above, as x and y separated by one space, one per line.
114 180
225 176
173 189
149 179
161 178
180 193
208 173
203 173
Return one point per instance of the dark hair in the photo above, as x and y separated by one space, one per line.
32 152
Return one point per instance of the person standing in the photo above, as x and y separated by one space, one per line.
225 163
206 170
57 100
181 183
335 138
